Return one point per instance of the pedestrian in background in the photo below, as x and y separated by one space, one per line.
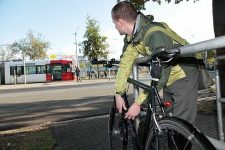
78 74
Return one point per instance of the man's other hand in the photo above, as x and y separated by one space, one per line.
120 104
133 111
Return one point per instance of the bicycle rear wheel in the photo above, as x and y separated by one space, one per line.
177 134
119 132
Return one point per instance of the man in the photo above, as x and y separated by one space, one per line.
78 73
179 81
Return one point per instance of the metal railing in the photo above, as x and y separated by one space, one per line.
216 43
219 99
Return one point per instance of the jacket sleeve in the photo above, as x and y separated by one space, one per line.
125 68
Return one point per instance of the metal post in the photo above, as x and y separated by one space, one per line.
206 58
15 76
109 74
136 91
218 101
135 77
24 70
77 62
219 108
135 72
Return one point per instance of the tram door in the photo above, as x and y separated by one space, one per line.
57 72
2 73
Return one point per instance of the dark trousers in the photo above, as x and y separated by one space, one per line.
183 93
78 77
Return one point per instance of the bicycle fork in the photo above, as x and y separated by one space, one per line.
156 122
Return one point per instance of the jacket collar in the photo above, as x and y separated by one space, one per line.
142 22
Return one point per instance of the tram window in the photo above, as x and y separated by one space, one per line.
41 69
66 68
31 69
57 69
16 69
12 70
19 70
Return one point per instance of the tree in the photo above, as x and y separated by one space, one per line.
31 46
6 53
2 54
140 4
95 45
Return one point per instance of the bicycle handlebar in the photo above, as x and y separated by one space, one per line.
166 55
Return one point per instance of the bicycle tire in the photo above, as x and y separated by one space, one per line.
177 134
119 133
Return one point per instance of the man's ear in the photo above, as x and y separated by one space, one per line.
120 22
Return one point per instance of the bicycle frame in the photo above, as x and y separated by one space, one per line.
151 119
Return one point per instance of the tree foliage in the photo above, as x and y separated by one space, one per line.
211 55
140 4
95 45
2 54
31 46
6 53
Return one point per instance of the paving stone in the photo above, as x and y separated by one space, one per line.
91 134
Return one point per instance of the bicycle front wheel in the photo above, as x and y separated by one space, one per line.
117 130
177 134
121 133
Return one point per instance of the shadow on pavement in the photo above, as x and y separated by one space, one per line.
26 114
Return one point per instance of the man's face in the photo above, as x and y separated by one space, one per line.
119 25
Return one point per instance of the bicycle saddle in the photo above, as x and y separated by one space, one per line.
165 54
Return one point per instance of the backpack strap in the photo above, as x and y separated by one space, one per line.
169 32
166 31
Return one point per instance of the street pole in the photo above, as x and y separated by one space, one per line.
77 62
24 70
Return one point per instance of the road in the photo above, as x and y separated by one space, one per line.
34 106
44 105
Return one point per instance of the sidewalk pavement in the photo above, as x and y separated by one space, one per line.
53 83
92 134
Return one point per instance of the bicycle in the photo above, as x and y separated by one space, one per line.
160 130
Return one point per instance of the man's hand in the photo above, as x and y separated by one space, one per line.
133 111
120 104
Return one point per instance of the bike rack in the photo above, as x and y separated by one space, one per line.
215 43
219 99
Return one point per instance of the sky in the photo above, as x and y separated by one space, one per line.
58 20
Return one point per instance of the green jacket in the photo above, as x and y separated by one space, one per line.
136 45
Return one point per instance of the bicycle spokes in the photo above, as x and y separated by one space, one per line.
170 140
